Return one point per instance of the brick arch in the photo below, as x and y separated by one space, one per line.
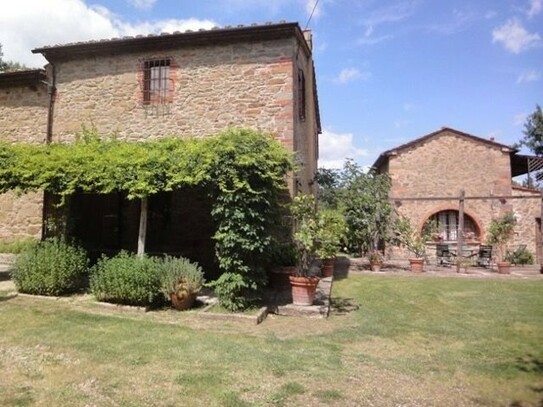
448 207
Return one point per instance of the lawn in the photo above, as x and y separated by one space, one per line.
391 341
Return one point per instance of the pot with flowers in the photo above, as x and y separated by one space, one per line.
408 238
500 232
304 285
329 233
376 260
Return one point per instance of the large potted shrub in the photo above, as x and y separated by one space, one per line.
412 241
181 280
302 282
500 232
329 233
284 263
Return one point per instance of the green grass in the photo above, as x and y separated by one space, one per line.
393 341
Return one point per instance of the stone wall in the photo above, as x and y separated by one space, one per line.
528 215
23 118
214 87
20 216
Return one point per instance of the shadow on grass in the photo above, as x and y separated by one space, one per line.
342 306
530 364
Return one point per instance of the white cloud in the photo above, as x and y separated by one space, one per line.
142 4
536 6
28 24
350 74
528 76
335 148
514 36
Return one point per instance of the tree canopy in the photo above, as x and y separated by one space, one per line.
533 132
9 66
243 170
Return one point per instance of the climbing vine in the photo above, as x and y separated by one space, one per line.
245 171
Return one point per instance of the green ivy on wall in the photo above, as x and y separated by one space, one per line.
245 169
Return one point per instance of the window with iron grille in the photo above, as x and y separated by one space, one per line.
301 94
156 81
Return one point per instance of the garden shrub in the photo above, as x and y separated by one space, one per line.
520 256
127 279
52 267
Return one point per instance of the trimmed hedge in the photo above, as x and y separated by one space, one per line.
52 267
127 279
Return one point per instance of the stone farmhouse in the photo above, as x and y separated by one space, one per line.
429 174
190 84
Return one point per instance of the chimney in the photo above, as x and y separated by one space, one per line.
309 39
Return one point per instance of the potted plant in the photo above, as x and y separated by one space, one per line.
181 281
414 242
329 233
284 263
302 282
500 232
376 260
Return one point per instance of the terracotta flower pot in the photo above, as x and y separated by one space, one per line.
375 265
417 264
504 267
182 301
327 269
303 289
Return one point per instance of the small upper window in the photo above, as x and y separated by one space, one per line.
301 94
156 81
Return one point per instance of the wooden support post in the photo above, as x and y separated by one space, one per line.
143 227
460 236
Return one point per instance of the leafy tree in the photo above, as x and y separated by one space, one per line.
328 186
9 66
365 204
533 138
533 132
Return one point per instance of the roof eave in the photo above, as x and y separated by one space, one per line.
168 41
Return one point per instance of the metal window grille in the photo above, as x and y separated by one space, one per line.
156 78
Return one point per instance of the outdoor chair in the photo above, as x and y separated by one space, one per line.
484 256
443 255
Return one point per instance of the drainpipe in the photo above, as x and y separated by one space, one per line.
51 93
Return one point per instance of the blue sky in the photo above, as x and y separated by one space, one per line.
388 71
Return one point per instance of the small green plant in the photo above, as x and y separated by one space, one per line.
180 276
127 279
331 229
520 256
500 232
284 254
17 246
376 256
407 237
52 267
305 236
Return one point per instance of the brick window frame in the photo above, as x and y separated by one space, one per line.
156 78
